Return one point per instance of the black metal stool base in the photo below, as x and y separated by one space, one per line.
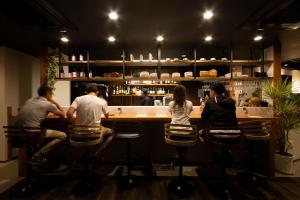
181 188
84 187
126 182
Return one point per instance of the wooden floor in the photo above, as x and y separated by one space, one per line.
155 188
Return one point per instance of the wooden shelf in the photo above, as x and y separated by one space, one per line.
120 79
250 62
212 62
113 79
233 79
155 84
75 62
164 63
134 95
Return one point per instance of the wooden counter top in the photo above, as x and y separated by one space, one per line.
193 117
145 117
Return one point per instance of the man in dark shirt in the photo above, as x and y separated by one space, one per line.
219 110
145 99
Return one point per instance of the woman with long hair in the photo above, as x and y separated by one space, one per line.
180 108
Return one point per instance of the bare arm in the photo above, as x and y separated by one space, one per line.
70 113
60 112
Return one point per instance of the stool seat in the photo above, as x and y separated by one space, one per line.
180 143
128 135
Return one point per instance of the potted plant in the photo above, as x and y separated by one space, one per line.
52 70
287 107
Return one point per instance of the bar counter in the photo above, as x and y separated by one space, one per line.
152 146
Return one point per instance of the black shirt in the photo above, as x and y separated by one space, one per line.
146 101
220 113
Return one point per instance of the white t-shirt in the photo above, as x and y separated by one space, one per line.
180 114
34 111
89 109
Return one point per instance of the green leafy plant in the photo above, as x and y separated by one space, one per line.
52 70
287 108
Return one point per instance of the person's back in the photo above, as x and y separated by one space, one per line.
180 114
220 113
89 109
219 110
34 111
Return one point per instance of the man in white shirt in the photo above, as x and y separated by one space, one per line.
89 109
34 111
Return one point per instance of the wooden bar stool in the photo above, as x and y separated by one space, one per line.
85 137
254 131
25 138
128 132
181 136
224 138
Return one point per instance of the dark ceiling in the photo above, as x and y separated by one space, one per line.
30 24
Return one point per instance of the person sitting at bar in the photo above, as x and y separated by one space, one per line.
180 108
89 109
219 110
145 99
34 111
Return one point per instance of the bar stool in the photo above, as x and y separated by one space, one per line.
254 131
181 136
85 137
224 138
126 131
26 139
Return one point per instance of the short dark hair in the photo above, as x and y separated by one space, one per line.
219 88
91 88
43 89
145 91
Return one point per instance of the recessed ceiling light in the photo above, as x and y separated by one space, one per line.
113 15
208 38
285 65
64 39
258 38
111 39
208 14
159 38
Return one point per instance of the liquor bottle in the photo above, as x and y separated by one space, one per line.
90 73
61 73
73 57
74 73
117 90
80 57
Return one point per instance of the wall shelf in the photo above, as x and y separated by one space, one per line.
164 63
134 95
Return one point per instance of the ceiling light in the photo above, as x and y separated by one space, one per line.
159 38
113 15
208 38
258 38
285 65
208 14
111 39
64 39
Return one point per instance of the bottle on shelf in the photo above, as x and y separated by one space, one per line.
73 57
80 57
61 72
74 73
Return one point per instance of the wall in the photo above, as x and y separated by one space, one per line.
290 44
19 80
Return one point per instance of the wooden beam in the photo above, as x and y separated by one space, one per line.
277 62
44 66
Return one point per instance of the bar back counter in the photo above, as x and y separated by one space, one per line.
152 150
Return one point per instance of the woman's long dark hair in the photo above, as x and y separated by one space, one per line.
179 95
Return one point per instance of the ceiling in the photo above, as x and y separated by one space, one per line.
34 23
